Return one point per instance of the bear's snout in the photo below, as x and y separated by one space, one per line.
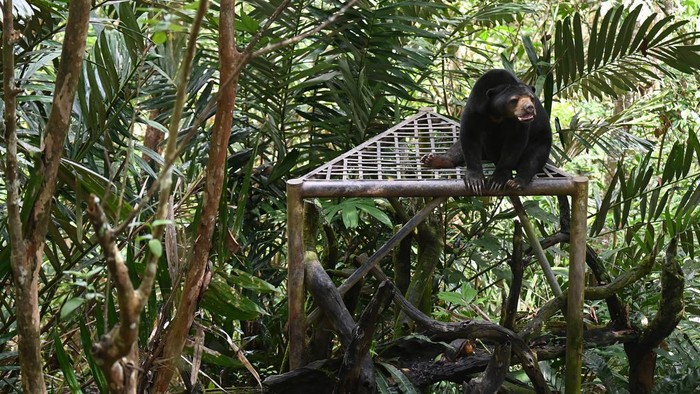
525 110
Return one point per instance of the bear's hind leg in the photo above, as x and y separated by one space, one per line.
451 159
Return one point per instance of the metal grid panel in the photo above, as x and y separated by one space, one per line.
395 154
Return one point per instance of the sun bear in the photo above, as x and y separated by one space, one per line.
503 122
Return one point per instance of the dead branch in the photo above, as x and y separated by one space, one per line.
424 368
471 329
349 377
329 300
495 372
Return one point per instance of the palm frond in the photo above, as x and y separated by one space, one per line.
622 53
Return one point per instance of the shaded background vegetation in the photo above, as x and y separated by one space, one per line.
621 83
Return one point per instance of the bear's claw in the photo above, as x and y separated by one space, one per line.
474 182
515 184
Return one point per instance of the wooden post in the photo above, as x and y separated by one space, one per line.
577 265
295 272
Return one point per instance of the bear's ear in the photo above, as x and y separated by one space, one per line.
533 89
494 91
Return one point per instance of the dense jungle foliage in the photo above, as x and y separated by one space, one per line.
621 81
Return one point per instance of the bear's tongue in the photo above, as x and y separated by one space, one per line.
526 118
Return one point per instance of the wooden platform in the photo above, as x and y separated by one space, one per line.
389 165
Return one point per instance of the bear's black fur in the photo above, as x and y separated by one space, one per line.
502 122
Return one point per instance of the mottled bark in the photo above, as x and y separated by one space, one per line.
28 242
116 352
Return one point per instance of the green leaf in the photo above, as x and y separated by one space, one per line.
66 365
612 32
248 281
350 217
578 44
159 37
130 29
382 384
283 168
465 297
592 41
221 301
161 222
377 214
604 207
70 306
155 247
221 360
452 298
404 384
86 342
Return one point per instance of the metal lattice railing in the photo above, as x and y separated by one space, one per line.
396 154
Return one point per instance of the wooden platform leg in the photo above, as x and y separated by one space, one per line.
577 265
295 272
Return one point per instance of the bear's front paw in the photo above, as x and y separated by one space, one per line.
437 161
474 181
516 184
498 182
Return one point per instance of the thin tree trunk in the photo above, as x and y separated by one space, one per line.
28 243
195 282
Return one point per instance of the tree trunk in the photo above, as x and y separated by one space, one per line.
28 242
642 365
641 354
430 246
231 61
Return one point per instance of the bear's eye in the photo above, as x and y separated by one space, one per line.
513 101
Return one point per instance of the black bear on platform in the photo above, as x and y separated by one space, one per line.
502 122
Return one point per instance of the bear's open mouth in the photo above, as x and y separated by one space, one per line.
526 118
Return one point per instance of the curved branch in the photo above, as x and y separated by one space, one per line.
470 329
120 340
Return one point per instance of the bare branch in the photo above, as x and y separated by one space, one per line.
115 261
119 341
293 40
197 279
171 151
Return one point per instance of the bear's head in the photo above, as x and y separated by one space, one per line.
510 101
